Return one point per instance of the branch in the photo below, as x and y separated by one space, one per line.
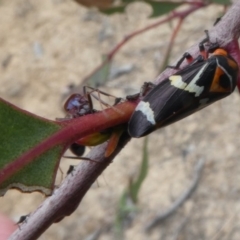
174 15
68 196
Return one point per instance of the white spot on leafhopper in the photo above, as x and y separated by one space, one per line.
192 86
176 81
146 110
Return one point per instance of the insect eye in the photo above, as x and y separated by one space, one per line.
224 82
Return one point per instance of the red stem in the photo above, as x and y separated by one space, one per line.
175 14
171 43
71 131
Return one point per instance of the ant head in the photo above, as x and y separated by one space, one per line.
77 105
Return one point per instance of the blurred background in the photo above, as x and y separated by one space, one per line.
48 45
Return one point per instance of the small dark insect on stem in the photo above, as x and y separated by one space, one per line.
21 220
70 169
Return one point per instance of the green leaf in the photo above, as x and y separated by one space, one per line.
120 8
125 207
31 146
129 1
135 186
158 8
161 8
112 10
100 77
129 197
21 131
223 2
39 175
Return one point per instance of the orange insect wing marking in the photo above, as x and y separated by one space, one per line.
215 87
232 63
113 141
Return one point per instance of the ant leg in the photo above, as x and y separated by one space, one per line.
201 46
97 90
212 46
81 158
61 171
88 96
98 98
203 54
217 21
146 87
117 100
108 95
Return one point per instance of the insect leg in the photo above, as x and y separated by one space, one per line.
186 56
